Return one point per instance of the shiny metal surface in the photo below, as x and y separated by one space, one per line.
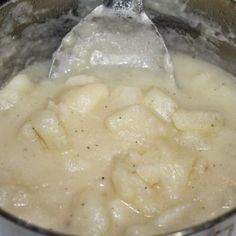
223 12
220 51
126 36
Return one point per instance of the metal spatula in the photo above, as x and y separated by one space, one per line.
116 33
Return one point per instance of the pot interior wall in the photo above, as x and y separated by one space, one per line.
38 33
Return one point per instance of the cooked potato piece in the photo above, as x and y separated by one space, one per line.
151 157
120 212
20 83
161 104
194 140
29 133
174 176
84 99
91 215
172 215
149 173
161 173
146 165
14 91
127 95
176 165
135 123
133 190
48 128
189 120
170 172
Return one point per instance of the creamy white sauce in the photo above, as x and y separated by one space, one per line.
119 151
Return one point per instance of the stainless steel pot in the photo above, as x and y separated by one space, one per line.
25 40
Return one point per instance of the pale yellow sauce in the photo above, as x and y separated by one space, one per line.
119 152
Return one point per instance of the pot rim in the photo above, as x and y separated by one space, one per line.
183 232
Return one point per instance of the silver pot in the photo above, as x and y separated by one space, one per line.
206 28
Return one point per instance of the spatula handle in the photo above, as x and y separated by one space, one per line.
134 5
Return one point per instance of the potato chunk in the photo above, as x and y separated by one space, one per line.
14 91
133 190
28 132
161 104
127 95
48 128
188 120
135 123
84 99
20 83
149 173
120 212
170 171
194 140
172 215
91 215
174 176
149 179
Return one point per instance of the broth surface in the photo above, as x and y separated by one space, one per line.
119 151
